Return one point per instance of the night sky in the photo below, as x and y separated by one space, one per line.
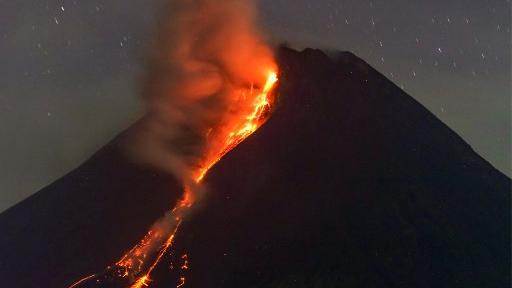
70 70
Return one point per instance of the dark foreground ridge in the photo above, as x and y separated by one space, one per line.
351 183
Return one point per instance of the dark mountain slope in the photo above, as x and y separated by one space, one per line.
351 183
82 222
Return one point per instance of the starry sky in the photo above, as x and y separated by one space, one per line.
70 70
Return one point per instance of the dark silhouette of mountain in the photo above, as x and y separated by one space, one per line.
351 183
83 222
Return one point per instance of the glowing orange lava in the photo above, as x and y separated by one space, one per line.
133 264
250 123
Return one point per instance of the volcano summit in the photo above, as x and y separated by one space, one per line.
350 183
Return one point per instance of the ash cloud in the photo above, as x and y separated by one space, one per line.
204 51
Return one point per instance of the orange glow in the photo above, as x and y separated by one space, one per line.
141 282
134 263
242 129
182 282
185 262
77 283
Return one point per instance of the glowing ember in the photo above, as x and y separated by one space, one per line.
141 282
182 282
76 284
185 262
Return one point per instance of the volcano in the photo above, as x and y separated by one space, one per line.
350 183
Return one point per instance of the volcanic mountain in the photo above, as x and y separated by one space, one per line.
350 183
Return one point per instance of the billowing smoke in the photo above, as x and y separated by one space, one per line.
206 67
205 52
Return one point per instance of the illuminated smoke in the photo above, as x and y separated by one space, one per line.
207 89
206 51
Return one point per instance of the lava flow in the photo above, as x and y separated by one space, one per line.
136 265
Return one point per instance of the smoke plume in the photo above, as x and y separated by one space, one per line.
208 68
205 52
